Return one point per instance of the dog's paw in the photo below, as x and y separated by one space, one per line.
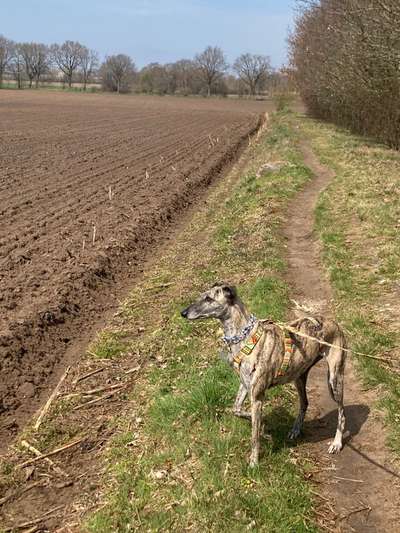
294 433
241 414
335 447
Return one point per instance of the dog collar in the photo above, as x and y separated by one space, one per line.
235 339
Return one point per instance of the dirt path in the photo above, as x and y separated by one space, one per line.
370 502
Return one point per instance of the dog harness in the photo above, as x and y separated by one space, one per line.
252 342
249 346
289 349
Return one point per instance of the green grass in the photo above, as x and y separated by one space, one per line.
182 462
51 87
108 344
357 220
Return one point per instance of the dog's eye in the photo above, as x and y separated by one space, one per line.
208 299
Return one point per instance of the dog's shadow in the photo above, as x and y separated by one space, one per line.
279 421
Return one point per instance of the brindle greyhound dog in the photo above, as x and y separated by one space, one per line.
265 355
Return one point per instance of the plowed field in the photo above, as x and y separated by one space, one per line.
89 185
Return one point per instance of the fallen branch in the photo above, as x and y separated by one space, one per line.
134 369
366 508
101 389
38 453
349 479
54 452
102 398
91 353
50 400
85 376
35 521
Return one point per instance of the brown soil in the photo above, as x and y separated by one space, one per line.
366 498
28 494
90 186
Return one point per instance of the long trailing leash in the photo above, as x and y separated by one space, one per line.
250 345
310 337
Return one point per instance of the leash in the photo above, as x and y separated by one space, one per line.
348 350
255 337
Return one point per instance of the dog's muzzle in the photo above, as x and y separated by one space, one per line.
185 313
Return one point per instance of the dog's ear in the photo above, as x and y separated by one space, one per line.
230 293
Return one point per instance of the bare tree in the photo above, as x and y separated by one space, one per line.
6 53
17 66
89 63
117 73
68 57
253 71
211 65
36 58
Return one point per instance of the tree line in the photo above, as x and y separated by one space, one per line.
345 56
30 64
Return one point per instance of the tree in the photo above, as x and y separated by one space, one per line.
346 58
89 62
68 57
7 48
184 72
17 66
155 78
36 58
117 73
253 71
211 65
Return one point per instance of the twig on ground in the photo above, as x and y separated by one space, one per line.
38 453
32 529
319 495
50 400
85 376
54 452
160 286
91 353
349 479
24 525
102 398
101 389
134 369
366 508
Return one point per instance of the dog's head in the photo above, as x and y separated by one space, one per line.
214 303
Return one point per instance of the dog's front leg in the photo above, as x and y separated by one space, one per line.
256 414
240 398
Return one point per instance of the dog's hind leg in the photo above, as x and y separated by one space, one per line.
303 404
336 360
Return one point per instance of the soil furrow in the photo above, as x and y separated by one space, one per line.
52 289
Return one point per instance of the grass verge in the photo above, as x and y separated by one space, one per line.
179 461
358 220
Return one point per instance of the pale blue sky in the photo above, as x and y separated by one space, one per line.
154 30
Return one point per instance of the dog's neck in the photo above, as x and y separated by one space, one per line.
237 319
